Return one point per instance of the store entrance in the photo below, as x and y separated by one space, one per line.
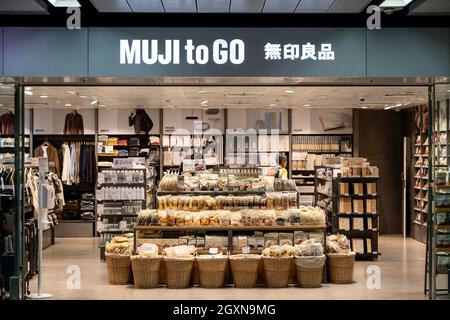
149 133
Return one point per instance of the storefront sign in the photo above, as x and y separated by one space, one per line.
225 52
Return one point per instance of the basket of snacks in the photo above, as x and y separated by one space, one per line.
212 270
341 260
146 266
277 263
118 253
178 263
309 263
244 268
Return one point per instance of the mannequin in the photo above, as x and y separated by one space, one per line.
140 120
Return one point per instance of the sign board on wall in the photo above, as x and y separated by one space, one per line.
220 52
115 121
322 121
51 121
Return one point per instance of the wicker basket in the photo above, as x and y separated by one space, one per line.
145 271
276 271
212 271
178 272
341 267
309 271
245 271
119 269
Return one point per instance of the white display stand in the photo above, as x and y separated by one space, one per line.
45 200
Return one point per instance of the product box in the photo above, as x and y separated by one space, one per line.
251 241
259 239
200 242
371 188
369 245
286 238
344 224
358 189
300 236
344 188
358 245
209 242
271 239
317 236
358 206
358 224
183 240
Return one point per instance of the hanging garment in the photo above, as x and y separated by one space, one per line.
74 123
52 155
7 123
59 191
77 163
73 157
82 168
65 176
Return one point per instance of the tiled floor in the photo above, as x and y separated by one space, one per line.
401 265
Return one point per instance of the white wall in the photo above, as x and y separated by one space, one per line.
176 119
247 118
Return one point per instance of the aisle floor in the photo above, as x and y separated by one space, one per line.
401 264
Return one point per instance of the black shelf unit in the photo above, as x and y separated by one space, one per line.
370 229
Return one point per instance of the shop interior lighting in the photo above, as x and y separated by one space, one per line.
289 91
28 92
43 97
83 97
395 3
65 3
94 102
205 102
272 105
307 105
364 107
68 105
202 91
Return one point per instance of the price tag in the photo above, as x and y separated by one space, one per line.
246 250
180 181
213 251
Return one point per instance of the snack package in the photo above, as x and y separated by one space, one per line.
299 237
285 238
271 239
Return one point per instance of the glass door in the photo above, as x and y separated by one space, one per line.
12 156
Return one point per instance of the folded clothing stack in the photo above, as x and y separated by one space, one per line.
71 210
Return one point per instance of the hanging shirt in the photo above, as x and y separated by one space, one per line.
7 121
65 177
73 158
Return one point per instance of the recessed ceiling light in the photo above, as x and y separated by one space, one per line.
68 105
102 105
65 3
83 97
43 97
307 105
272 105
289 91
395 3
448 90
364 107
205 102
202 91
1 104
388 108
28 88
94 102
71 92
29 93
398 104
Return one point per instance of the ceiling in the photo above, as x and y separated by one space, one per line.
417 7
261 97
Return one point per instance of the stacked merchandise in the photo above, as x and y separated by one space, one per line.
309 151
421 170
349 194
